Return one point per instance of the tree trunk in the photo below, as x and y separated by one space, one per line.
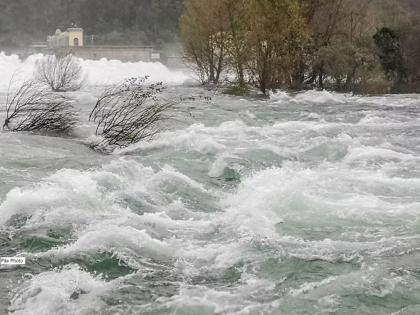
321 79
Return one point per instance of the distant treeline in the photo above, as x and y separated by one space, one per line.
112 21
364 46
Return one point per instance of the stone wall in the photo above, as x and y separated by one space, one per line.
168 55
122 53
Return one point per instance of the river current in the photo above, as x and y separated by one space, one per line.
297 204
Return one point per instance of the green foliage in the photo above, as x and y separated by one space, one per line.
349 66
292 44
204 33
398 45
238 90
277 37
390 53
261 40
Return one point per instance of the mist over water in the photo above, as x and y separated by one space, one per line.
298 204
96 72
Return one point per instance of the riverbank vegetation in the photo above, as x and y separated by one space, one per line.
362 46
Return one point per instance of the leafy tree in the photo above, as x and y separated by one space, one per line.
263 39
238 45
204 33
335 24
390 53
277 37
402 19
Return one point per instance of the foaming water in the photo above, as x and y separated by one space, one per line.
95 72
53 289
299 204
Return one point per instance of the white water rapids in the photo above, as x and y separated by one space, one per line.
297 204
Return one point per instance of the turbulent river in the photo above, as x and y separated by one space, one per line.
297 204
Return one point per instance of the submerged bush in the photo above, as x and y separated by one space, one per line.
238 90
128 113
33 107
60 73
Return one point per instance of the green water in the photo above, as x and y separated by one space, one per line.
291 205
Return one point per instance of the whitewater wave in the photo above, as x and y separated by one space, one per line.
66 291
97 72
156 225
311 97
79 198
323 97
321 212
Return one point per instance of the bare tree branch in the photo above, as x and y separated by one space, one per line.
128 113
61 73
32 107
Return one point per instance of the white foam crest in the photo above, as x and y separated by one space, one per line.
306 287
168 173
195 138
280 96
320 97
364 153
217 139
15 71
251 210
67 197
218 167
157 236
310 97
269 199
220 255
61 292
326 97
72 197
125 241
98 72
237 301
105 72
401 100
381 122
235 137
168 225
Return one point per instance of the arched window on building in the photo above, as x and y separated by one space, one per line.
76 42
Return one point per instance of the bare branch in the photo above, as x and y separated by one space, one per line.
60 73
128 113
32 107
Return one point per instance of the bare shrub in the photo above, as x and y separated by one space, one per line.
61 73
128 113
33 107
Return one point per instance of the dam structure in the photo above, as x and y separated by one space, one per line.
73 41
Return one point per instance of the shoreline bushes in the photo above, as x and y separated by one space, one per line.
337 45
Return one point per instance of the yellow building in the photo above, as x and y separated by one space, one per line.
72 42
75 37
72 37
